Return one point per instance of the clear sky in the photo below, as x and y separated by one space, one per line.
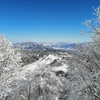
46 20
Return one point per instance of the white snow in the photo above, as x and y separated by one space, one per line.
48 59
64 68
45 60
30 68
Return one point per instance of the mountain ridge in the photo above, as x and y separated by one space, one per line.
47 45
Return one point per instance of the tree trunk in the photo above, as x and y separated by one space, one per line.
29 91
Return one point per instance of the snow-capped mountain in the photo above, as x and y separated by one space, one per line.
31 46
47 46
61 45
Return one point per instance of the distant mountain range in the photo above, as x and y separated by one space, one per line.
31 46
61 45
47 46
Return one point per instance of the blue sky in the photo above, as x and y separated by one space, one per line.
46 20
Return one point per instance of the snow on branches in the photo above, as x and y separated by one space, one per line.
9 65
84 71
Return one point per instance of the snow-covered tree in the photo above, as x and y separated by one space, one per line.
40 84
43 84
84 72
46 85
9 57
10 64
